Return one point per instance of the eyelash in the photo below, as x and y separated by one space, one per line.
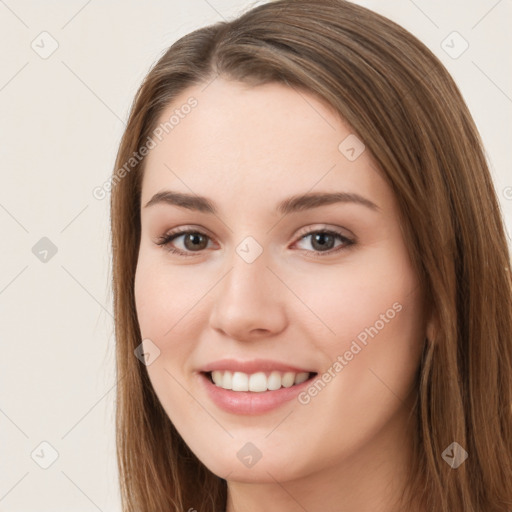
165 240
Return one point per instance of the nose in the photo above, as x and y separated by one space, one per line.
248 303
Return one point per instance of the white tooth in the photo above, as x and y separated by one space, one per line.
217 377
274 381
287 379
301 377
240 382
258 382
227 380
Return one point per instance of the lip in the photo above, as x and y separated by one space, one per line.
253 366
251 403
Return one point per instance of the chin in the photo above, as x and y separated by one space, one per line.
243 464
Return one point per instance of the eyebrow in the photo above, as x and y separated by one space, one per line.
292 204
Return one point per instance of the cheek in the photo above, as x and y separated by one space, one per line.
367 297
375 313
171 314
165 312
378 321
163 298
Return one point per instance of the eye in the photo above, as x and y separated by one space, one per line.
195 241
323 240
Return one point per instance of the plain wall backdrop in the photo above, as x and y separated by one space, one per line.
69 72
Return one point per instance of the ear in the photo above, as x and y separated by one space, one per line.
432 327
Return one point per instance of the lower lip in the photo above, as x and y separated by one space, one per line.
250 402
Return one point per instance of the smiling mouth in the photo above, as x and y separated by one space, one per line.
257 382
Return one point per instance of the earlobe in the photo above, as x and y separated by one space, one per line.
432 329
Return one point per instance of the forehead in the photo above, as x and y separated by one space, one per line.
267 141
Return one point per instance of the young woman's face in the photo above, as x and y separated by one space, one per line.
274 287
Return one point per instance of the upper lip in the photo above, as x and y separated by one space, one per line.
252 366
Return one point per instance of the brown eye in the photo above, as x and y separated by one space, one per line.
193 241
323 242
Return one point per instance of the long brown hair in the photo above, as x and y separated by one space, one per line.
400 100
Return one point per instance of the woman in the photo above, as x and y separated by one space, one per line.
311 267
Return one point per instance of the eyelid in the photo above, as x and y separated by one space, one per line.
302 232
325 227
183 230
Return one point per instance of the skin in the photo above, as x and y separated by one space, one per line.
247 148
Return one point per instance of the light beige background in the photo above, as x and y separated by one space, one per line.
61 120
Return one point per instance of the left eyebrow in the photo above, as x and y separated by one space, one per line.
314 200
292 204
